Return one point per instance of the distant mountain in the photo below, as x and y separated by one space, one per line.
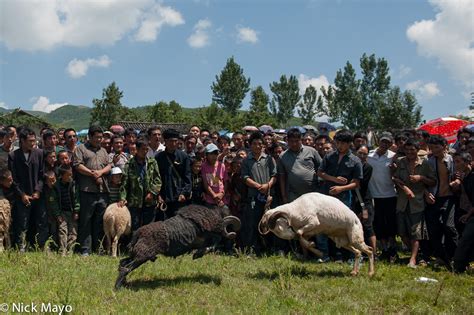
70 116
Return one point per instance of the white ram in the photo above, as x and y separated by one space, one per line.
313 214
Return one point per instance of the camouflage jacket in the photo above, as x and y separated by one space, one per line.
133 189
53 198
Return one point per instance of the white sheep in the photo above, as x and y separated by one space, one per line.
117 223
5 222
313 214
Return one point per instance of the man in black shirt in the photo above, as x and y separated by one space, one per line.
175 171
26 165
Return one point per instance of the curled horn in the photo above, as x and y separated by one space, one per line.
234 222
274 217
263 226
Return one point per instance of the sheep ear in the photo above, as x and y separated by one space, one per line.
274 217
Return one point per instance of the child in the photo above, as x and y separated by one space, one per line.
49 161
118 158
64 203
6 192
115 182
197 194
63 158
214 177
237 187
50 197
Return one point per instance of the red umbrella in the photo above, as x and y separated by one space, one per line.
445 126
117 129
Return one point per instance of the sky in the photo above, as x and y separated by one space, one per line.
57 52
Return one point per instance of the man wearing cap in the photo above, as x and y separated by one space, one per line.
141 184
383 191
175 172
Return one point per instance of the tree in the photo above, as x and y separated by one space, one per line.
285 97
210 117
108 110
307 109
258 113
230 87
163 112
370 101
400 110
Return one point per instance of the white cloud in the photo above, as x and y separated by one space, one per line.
74 23
449 38
42 104
304 81
246 35
158 17
424 90
77 68
3 105
403 71
200 37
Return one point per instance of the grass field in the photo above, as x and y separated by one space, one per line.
224 284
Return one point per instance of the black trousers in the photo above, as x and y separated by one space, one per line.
251 215
29 224
91 224
465 250
142 216
440 223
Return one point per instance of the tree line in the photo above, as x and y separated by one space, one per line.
356 103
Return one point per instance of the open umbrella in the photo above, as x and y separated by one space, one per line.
265 129
301 129
83 132
310 127
447 127
326 125
117 129
250 128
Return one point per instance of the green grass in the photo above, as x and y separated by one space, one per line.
224 284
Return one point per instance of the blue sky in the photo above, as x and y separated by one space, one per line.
62 51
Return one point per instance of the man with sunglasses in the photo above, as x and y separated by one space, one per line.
71 142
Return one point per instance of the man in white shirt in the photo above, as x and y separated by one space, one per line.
154 141
383 191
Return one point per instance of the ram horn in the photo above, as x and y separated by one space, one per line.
274 217
234 222
263 226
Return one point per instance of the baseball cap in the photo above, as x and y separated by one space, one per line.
115 171
386 136
211 148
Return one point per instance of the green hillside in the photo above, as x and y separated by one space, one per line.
78 116
70 116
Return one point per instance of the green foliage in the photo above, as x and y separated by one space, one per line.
108 110
258 113
17 118
370 101
230 87
307 109
163 112
285 97
210 117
